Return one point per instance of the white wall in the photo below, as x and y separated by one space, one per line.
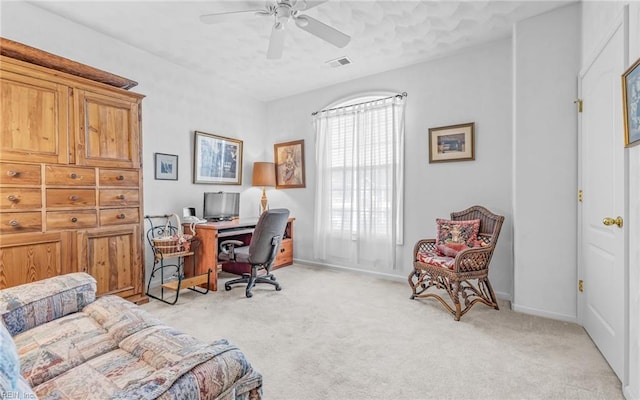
472 86
546 63
597 20
177 102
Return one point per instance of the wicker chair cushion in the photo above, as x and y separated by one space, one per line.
433 258
465 232
450 249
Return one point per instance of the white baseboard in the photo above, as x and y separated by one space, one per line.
544 313
628 394
391 277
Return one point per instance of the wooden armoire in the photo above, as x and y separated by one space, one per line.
70 173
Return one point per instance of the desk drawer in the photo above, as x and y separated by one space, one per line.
285 253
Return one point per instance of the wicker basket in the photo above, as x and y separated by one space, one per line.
171 244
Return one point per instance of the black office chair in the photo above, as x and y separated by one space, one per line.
258 255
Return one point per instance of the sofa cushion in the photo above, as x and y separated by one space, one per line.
49 350
12 384
26 306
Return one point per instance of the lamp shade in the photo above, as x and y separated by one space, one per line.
264 174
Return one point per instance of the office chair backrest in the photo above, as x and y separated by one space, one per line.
271 223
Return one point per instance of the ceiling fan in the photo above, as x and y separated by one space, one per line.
284 11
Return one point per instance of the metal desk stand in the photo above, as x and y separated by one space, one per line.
170 247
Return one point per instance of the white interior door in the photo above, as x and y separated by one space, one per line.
602 181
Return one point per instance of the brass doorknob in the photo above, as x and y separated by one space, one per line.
610 221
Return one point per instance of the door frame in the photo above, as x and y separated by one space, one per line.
621 21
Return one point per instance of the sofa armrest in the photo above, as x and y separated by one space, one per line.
27 306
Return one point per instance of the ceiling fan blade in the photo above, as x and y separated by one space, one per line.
303 5
222 16
322 30
276 42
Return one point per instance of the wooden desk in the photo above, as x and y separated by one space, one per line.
240 229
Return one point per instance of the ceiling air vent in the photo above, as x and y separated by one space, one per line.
339 62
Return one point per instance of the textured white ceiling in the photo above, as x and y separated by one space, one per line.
385 35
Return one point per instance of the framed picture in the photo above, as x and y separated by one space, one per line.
289 160
451 143
166 167
631 104
217 159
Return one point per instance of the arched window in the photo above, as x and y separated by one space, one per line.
359 182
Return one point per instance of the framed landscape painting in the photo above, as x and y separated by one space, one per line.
289 160
451 143
166 167
631 104
217 159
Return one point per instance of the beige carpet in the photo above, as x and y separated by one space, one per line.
342 335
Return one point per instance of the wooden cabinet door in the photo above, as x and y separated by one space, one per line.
112 256
28 258
109 131
34 119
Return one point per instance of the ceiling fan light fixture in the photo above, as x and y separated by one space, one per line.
301 21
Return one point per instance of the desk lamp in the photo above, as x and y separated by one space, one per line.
264 174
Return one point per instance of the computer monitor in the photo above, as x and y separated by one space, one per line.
221 206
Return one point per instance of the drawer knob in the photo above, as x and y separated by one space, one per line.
14 222
73 197
121 197
281 250
13 173
122 216
74 220
73 175
120 177
12 198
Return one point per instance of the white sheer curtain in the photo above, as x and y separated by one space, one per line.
359 184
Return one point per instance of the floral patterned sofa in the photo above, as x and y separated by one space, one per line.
59 342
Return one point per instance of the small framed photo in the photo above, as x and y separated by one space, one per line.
631 104
451 143
217 159
289 160
166 167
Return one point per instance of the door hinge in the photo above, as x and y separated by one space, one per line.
579 103
580 195
581 286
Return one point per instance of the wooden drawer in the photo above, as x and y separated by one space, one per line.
19 174
119 197
71 219
119 177
285 253
20 198
20 222
119 216
71 197
69 176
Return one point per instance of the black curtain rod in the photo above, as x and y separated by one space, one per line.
403 94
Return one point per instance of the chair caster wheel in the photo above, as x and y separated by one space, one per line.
249 295
227 288
278 288
412 297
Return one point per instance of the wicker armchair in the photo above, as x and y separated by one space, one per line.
467 274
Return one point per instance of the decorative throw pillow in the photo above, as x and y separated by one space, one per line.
465 232
451 249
